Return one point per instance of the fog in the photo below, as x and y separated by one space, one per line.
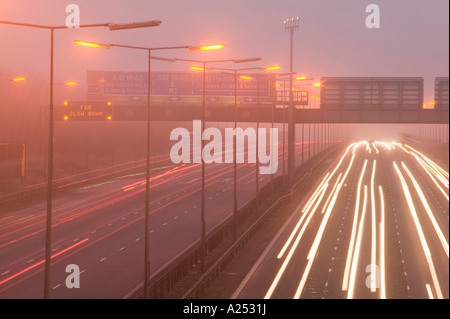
332 40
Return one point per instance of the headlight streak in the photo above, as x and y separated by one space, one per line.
428 210
325 180
288 242
291 253
354 268
373 257
429 161
315 194
355 147
400 145
382 248
354 230
368 147
423 241
376 149
430 292
420 161
378 250
319 193
389 147
315 246
330 196
443 179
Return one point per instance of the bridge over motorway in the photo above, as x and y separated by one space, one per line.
342 100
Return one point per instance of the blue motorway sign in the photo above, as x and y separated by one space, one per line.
174 84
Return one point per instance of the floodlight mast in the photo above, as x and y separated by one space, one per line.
291 25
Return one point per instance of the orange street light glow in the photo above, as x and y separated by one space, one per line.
109 118
65 103
301 78
66 118
109 102
18 79
87 44
246 77
273 68
92 45
208 47
196 68
317 84
71 83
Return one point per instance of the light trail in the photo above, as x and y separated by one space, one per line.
315 246
438 230
315 194
420 161
290 254
354 230
382 247
330 196
354 268
42 261
323 187
291 237
430 161
420 232
368 147
376 149
313 251
429 291
373 257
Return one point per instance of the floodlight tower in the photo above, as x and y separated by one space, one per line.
291 25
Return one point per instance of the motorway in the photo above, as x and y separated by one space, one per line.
100 228
376 226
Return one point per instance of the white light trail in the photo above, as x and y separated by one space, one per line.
382 247
420 232
373 254
354 230
354 268
438 230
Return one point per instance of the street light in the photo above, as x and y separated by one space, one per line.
291 78
291 25
18 79
14 79
111 26
203 224
257 128
235 73
147 178
207 47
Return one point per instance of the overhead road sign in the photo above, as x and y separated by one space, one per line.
441 93
87 111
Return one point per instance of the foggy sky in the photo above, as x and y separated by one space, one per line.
332 41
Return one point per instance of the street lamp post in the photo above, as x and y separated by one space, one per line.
52 29
203 222
291 25
148 152
291 79
257 138
235 73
